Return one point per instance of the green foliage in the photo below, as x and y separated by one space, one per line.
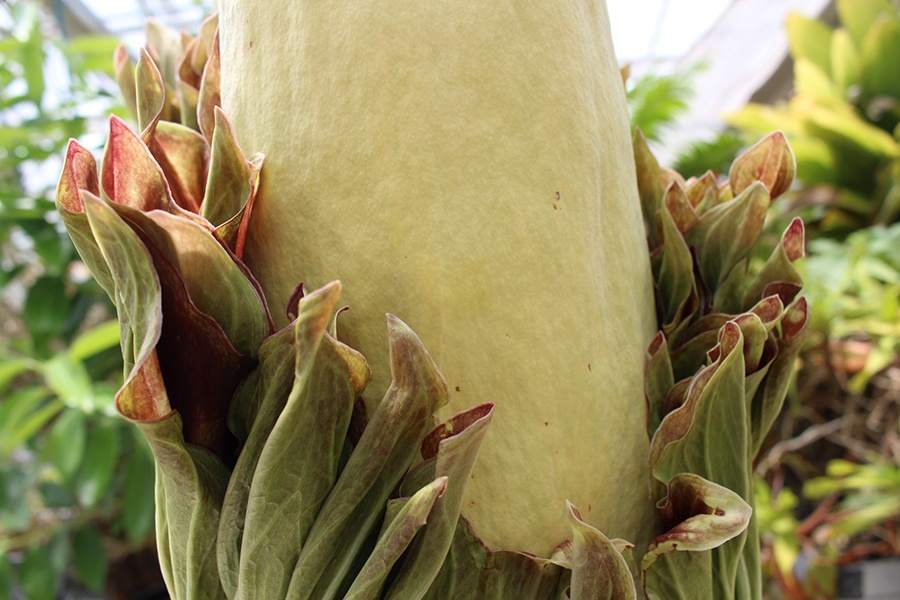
787 539
854 287
714 155
63 455
870 495
843 120
656 101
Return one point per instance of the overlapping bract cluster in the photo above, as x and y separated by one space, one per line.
720 366
268 485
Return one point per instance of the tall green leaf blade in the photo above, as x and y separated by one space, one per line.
769 398
810 39
298 465
394 540
150 94
880 53
228 186
708 437
658 380
454 447
859 16
388 445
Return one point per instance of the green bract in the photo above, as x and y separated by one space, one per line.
276 480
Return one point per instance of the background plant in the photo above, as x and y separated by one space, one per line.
72 475
842 120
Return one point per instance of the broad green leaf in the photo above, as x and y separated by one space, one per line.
764 119
101 457
92 52
880 54
394 540
137 496
842 129
355 506
810 39
599 571
46 308
23 413
38 577
845 61
66 442
70 381
10 368
95 340
89 558
859 16
812 82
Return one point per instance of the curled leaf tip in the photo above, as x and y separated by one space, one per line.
320 302
453 426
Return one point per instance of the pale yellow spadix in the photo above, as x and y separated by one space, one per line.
466 166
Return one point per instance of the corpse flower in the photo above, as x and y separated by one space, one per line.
537 441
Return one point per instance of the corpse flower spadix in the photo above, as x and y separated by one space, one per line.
468 169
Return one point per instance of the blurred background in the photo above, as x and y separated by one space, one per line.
705 79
